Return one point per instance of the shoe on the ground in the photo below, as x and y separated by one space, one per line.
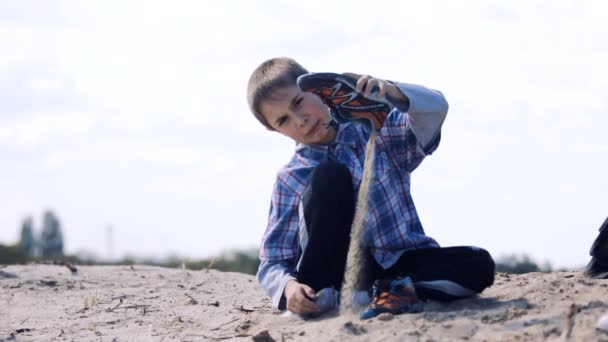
337 91
360 299
598 266
395 297
328 300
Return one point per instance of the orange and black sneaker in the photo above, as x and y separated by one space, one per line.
337 91
396 297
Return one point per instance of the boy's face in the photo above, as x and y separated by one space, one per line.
299 115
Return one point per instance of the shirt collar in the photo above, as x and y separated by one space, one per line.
347 134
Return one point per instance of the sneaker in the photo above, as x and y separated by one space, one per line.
337 91
360 299
396 297
598 266
328 300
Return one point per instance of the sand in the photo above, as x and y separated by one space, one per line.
144 303
354 257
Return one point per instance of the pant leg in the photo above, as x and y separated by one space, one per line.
446 273
329 206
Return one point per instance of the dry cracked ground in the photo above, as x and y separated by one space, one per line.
144 303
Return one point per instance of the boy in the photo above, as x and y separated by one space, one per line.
304 248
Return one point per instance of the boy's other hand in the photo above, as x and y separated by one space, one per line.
300 298
366 83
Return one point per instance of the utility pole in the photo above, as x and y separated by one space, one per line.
110 242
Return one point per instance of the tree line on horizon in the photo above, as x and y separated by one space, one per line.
47 244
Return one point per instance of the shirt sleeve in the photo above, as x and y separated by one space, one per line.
280 238
273 277
413 135
427 111
279 246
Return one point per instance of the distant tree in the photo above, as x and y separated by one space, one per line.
520 264
237 260
245 261
27 242
12 255
51 238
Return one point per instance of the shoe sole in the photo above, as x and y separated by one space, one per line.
337 91
410 309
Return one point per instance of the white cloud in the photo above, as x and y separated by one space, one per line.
122 154
43 128
46 86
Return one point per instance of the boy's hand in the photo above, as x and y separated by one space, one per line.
366 83
300 298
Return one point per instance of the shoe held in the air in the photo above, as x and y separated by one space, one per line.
337 91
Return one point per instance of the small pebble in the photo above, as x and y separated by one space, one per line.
263 336
385 316
602 323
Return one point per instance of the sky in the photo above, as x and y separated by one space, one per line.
133 115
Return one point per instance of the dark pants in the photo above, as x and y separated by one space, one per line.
329 206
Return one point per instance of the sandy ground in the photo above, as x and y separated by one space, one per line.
143 303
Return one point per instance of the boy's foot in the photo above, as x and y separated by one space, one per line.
360 299
328 300
396 297
598 266
338 92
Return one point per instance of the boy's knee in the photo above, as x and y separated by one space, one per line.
329 178
486 265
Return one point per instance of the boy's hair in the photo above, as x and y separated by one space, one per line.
271 75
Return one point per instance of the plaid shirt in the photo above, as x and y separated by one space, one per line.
391 224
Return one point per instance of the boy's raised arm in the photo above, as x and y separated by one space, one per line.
427 111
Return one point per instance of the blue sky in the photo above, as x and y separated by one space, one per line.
133 114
